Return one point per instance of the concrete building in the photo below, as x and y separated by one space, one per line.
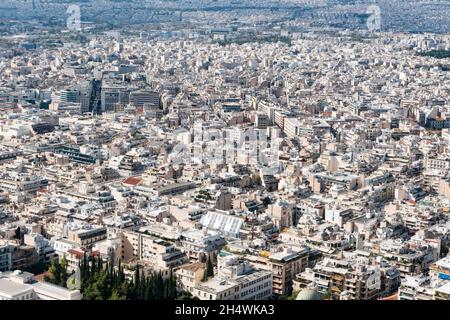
20 285
285 265
236 280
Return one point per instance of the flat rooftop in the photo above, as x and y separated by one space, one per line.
10 288
216 285
444 263
51 291
445 288
284 256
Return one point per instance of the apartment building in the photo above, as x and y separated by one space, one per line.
20 285
282 213
190 275
200 244
23 256
86 235
22 183
285 266
262 121
236 279
156 253
415 288
77 255
291 127
5 256
437 163
112 95
355 279
141 97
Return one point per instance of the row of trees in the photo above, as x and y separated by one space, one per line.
57 273
439 54
100 282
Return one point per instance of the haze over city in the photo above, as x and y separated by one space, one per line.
224 150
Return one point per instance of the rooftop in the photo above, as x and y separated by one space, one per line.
10 289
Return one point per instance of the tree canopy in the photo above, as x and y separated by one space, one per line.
103 282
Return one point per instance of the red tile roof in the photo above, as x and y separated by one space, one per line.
79 253
132 181
40 277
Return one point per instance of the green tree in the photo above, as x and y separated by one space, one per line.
444 250
120 275
148 290
116 295
64 274
209 268
85 273
107 283
167 289
56 273
137 282
100 289
185 295
103 285
159 287
173 287
93 293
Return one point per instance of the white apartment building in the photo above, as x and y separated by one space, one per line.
198 244
437 163
291 127
20 285
236 280
22 182
159 254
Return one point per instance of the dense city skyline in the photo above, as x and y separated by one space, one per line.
224 150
